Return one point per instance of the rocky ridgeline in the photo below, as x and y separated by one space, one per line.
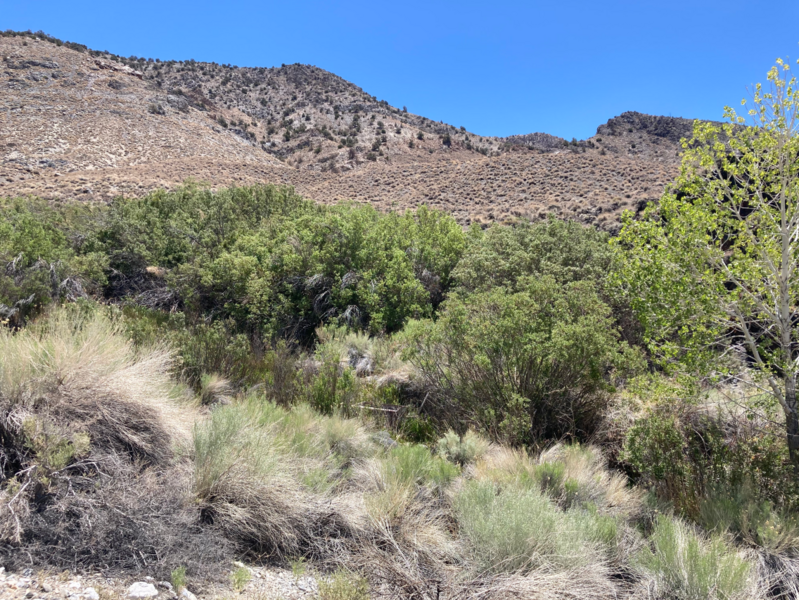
537 141
672 129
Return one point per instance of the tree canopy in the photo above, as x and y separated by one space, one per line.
712 269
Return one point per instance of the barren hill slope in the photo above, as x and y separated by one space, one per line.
76 123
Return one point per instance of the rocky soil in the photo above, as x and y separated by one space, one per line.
265 584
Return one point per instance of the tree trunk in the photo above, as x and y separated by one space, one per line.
792 423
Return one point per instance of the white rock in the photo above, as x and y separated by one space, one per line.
141 589
187 595
91 594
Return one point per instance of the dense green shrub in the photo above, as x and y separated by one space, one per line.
44 257
505 256
278 264
523 366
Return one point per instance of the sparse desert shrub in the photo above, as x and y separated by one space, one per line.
462 450
344 585
240 578
683 565
178 578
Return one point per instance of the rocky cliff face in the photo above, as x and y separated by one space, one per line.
672 129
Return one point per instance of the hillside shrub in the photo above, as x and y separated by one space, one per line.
505 256
44 257
525 366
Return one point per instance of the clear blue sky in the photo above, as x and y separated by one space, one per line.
496 67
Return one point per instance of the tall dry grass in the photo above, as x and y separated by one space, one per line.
91 432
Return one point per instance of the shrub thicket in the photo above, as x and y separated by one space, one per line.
297 328
524 366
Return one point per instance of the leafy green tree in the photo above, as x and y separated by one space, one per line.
712 269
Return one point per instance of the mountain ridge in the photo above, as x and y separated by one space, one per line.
81 124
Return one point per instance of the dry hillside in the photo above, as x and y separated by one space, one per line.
76 123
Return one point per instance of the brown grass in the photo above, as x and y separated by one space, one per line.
88 431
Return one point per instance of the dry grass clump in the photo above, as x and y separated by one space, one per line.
367 355
215 389
245 484
260 469
285 483
84 419
573 476
579 475
74 373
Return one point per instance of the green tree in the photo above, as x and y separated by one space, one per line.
712 269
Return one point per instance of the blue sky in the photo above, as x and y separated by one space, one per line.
497 68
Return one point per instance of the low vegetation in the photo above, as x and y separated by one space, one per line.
390 403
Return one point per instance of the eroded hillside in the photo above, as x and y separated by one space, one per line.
82 124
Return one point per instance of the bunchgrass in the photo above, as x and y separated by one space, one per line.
687 566
511 529
344 585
